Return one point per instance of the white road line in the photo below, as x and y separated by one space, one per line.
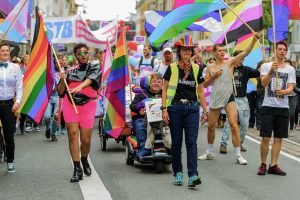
281 152
92 187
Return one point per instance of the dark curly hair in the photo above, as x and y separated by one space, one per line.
79 46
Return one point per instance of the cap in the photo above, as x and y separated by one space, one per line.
167 49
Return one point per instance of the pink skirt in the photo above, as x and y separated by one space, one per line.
86 112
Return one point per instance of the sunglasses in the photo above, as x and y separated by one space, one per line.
84 53
186 49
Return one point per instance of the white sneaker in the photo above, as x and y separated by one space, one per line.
10 167
291 133
240 160
207 156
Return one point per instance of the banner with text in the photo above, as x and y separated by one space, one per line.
75 29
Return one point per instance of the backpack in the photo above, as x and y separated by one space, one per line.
152 62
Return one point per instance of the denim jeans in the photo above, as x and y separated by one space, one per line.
141 134
259 101
243 116
51 110
184 117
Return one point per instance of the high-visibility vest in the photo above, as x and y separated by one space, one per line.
171 91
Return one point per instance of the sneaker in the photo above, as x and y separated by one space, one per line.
28 129
53 138
63 131
47 133
207 156
178 178
193 181
37 129
276 171
240 160
297 127
243 149
291 133
223 149
10 167
262 170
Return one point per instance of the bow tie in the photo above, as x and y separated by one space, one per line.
3 64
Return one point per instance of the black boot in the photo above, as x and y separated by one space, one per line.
77 175
86 167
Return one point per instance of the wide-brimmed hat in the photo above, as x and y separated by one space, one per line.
185 41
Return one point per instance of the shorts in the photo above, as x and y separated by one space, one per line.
231 99
274 122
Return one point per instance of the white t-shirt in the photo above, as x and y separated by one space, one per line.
161 68
145 68
285 75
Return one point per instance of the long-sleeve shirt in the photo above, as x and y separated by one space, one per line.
11 82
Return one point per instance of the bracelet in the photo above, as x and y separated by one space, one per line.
163 108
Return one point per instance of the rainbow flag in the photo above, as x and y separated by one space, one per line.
250 11
115 118
180 18
38 79
17 31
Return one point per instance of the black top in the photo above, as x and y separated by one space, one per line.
241 76
186 89
86 71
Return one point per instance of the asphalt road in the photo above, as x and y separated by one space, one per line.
43 170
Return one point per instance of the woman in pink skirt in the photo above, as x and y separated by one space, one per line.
83 80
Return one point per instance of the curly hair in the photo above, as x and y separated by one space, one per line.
79 46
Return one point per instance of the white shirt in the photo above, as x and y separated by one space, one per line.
145 68
11 82
161 68
286 75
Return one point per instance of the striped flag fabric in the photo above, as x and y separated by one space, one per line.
106 63
180 18
2 16
17 31
294 6
250 11
210 22
38 79
115 118
280 14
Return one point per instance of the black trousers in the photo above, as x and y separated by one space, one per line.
8 120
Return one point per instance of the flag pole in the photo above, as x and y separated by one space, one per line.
129 70
226 41
274 42
13 21
247 25
65 81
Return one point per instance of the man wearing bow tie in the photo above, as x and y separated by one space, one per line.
10 88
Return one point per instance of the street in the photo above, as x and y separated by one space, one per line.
43 170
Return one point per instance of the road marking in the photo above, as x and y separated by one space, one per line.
92 187
281 152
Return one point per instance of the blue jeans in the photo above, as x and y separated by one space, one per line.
51 110
259 101
141 134
184 117
243 116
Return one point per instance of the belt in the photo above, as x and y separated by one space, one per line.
7 102
183 101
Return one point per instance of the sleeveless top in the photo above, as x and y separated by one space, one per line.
222 89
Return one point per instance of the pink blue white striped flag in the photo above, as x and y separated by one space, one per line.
17 31
106 63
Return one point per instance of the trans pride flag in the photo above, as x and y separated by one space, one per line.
180 18
115 118
38 79
17 32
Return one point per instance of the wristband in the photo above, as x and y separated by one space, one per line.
163 108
